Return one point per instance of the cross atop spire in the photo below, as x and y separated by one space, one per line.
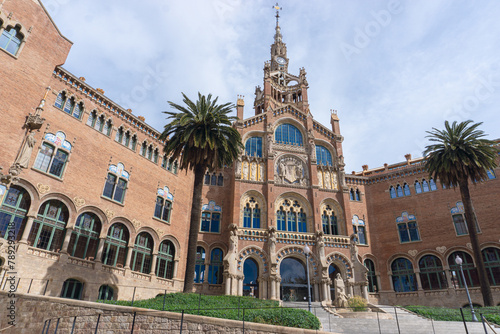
278 8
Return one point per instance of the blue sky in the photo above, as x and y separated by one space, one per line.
393 69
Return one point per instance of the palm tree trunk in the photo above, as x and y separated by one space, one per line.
194 228
478 258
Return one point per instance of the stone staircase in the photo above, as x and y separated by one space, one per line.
409 323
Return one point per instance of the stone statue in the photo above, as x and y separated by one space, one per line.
233 242
238 169
244 174
334 180
354 246
24 155
328 184
261 172
320 243
253 169
272 241
320 179
340 295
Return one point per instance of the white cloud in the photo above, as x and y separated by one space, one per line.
425 65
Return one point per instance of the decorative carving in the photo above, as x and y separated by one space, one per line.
137 223
160 232
413 252
354 247
43 188
291 170
340 293
261 171
469 245
441 249
79 201
109 213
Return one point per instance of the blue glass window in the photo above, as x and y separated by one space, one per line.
210 222
247 216
432 184
280 220
60 100
291 221
289 135
406 189
425 186
253 147
256 217
392 191
216 268
323 156
403 277
418 188
11 40
199 268
302 222
491 174
13 212
69 106
408 232
399 191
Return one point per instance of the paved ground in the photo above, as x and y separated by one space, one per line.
408 323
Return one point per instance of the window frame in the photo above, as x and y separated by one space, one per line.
165 261
116 248
49 226
17 212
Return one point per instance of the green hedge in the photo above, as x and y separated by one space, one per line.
229 307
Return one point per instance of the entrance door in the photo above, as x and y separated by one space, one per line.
293 280
250 284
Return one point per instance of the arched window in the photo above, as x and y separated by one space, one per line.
357 195
371 275
253 147
491 257
329 220
144 149
10 40
107 127
72 289
432 184
216 268
403 277
69 105
61 101
155 155
291 217
210 218
85 237
77 111
407 228
105 293
92 119
399 191
163 209
470 271
323 156
116 183
133 143
392 192
351 194
119 135
99 124
213 180
247 216
406 189
150 152
220 180
127 139
432 275
13 212
425 186
165 260
359 227
143 249
251 273
199 268
115 246
207 179
418 187
53 154
48 228
289 135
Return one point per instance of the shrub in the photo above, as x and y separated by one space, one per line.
357 304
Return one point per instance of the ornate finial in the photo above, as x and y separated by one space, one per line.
278 8
277 36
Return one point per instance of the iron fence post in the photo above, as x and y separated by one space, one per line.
164 297
46 285
463 319
397 320
97 324
133 324
48 326
73 327
57 325
133 296
484 325
29 288
199 304
182 320
243 320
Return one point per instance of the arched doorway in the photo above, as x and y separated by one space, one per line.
293 280
333 270
251 272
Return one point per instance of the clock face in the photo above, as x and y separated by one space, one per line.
281 61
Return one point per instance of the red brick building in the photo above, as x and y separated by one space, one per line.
98 211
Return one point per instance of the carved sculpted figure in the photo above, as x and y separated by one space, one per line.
253 169
261 172
244 174
24 156
341 297
320 179
328 185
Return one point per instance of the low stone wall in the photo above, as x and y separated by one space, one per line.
32 311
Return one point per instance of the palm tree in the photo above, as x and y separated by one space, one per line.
201 136
458 155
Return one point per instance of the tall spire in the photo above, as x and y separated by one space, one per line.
277 37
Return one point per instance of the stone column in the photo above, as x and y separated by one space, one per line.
227 281
273 288
316 291
67 237
100 250
153 264
263 289
176 265
240 286
324 288
27 230
129 256
364 291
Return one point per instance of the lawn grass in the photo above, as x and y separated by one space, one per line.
229 307
492 314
